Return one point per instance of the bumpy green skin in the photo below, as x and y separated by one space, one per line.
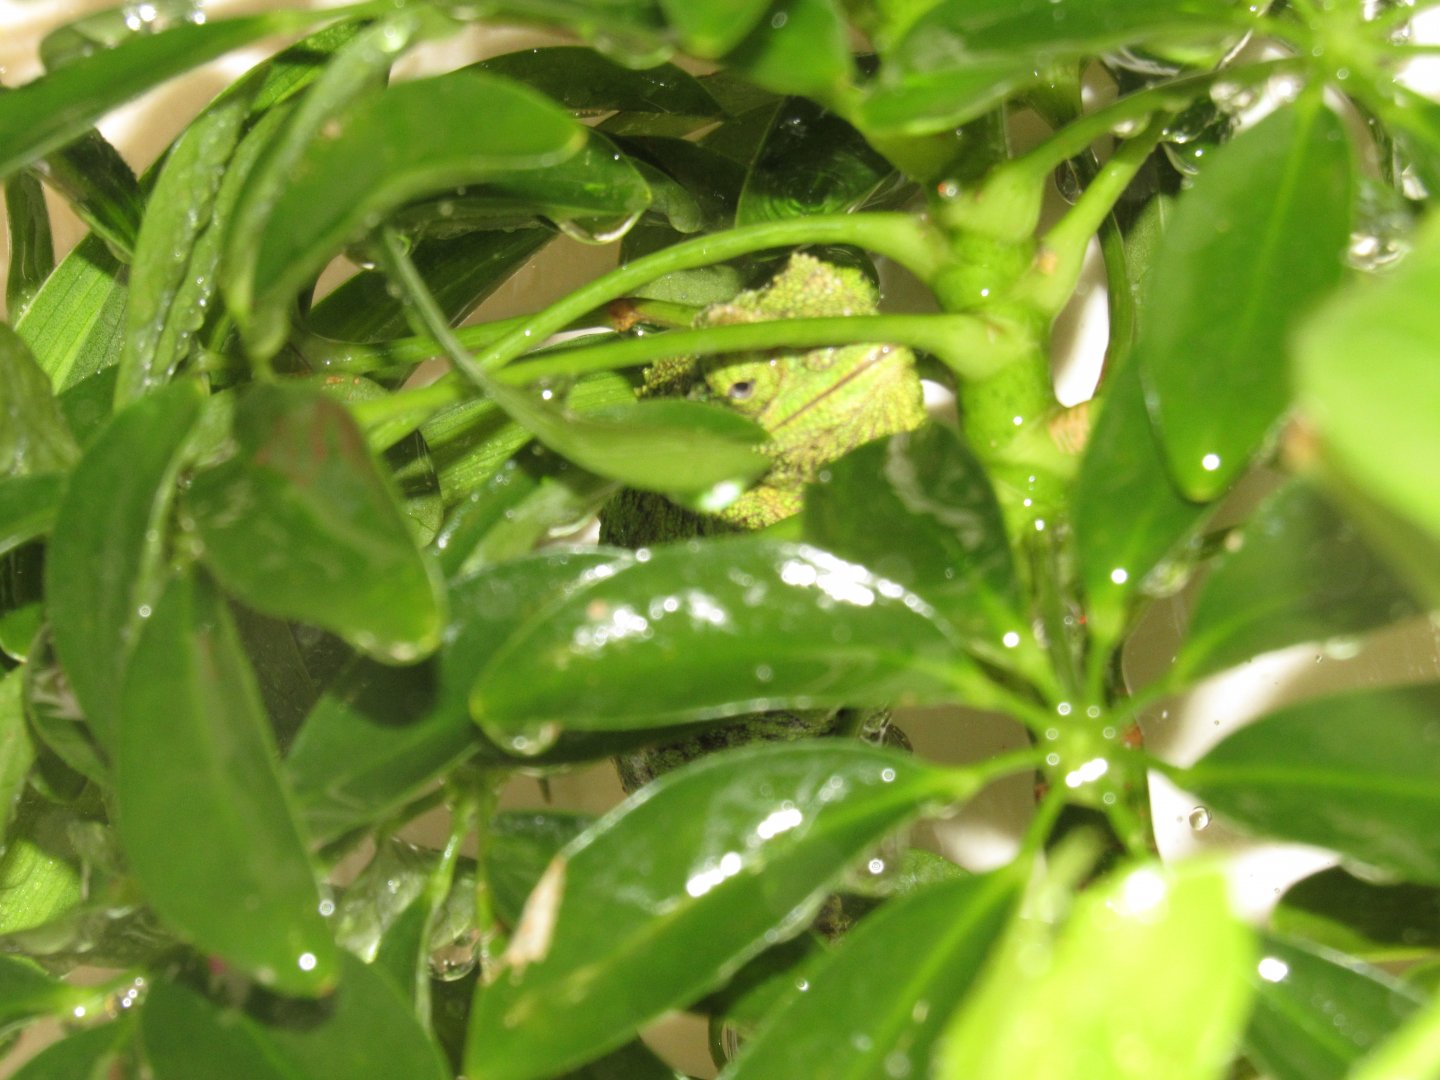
816 407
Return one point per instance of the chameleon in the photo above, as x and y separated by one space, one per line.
814 406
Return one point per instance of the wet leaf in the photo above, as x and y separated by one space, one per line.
194 742
41 874
944 537
711 28
100 188
961 57
34 437
1149 977
57 108
28 505
1128 514
301 525
32 252
803 47
519 846
877 1004
108 552
811 162
1261 236
668 913
585 82
1317 1012
75 324
1378 921
702 631
1300 573
1354 773
337 187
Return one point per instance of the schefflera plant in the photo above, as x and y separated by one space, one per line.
264 600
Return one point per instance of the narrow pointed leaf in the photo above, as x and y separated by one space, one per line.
703 631
1301 573
1375 920
34 437
1355 773
876 1006
1260 237
100 187
1414 1050
56 108
75 326
636 917
301 525
16 750
194 743
32 251
1318 1012
105 560
1150 977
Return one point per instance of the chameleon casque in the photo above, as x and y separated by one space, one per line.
815 406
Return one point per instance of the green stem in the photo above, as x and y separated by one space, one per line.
464 813
487 786
1049 285
897 236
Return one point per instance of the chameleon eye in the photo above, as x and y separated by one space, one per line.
740 391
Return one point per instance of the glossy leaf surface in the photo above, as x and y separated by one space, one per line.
194 743
32 248
877 1005
1096 1004
704 631
339 186
803 47
105 563
1261 236
1301 573
1354 773
1318 1013
668 913
519 848
585 82
300 524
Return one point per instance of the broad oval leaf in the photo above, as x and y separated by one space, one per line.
194 743
1300 573
1318 1012
300 524
1261 237
802 48
636 916
1150 977
104 565
59 107
711 28
340 186
1354 773
519 846
705 630
183 1035
876 1006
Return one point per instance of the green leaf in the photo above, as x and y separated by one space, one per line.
1353 773
811 162
1150 977
1377 921
183 1036
171 281
26 991
32 252
1414 1050
633 1061
301 525
711 28
702 631
944 537
100 187
365 1028
16 750
700 453
1300 573
88 1054
380 735
636 916
105 561
28 505
1373 420
75 324
41 875
1260 237
519 845
876 1006
961 57
55 716
802 48
34 437
59 107
585 82
194 742
339 186
1128 514
1318 1012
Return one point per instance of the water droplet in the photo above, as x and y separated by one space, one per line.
1119 575
1129 127
1199 818
535 740
897 1064
306 961
457 959
1210 462
764 673
1272 969
1011 639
